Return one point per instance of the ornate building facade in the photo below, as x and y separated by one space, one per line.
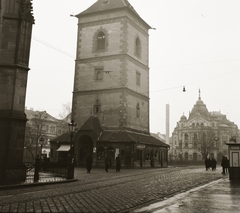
202 134
41 128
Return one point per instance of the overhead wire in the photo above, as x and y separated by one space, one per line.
115 80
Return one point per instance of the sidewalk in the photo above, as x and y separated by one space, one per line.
220 196
124 191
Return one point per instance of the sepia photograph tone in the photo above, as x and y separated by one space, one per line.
119 106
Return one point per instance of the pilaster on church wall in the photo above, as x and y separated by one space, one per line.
141 122
132 69
135 31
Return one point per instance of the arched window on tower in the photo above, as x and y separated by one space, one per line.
97 107
101 41
137 47
138 110
99 74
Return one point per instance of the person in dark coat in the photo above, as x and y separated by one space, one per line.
227 165
207 163
224 165
118 163
89 161
213 164
107 163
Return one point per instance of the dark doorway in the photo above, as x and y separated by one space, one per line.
111 154
127 155
195 156
186 156
85 149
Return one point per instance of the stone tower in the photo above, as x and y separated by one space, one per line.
16 22
112 66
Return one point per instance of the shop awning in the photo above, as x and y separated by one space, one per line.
63 148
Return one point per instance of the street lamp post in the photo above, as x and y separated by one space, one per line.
37 160
41 141
71 127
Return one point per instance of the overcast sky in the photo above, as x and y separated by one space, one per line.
196 44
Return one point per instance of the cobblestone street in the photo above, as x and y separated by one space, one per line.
106 192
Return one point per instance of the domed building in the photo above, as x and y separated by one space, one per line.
202 134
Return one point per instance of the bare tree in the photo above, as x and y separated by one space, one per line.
66 112
206 142
35 129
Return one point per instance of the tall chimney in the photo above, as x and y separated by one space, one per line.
167 123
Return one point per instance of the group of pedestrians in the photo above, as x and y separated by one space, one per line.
107 162
210 163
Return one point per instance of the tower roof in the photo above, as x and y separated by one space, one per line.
199 109
107 5
183 118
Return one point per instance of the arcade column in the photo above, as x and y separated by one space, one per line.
234 160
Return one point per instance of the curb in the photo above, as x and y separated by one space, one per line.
25 185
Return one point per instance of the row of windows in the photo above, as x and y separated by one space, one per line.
199 125
99 75
101 43
195 137
97 108
195 144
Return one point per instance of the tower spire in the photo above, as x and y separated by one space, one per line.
199 94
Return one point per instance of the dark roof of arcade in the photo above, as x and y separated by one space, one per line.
65 137
130 136
113 135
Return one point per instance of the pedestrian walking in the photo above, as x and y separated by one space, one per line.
118 163
89 161
227 165
207 163
213 164
107 163
152 161
224 165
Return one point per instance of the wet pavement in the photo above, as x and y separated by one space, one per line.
127 191
221 196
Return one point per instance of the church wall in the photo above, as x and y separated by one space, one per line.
140 122
118 106
134 32
87 33
109 114
143 87
14 58
85 76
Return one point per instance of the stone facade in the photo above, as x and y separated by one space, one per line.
16 22
202 126
117 91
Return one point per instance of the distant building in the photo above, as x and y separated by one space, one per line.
202 133
111 87
40 124
161 137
